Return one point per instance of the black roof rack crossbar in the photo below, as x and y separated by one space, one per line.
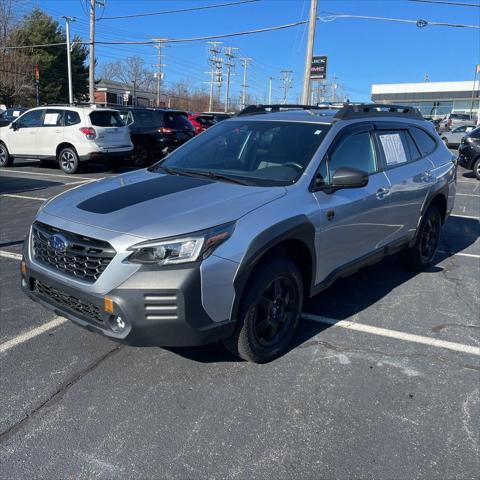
349 111
256 109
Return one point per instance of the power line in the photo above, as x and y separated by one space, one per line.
165 12
459 4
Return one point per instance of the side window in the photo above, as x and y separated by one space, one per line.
355 151
53 118
127 117
31 119
71 118
424 141
459 129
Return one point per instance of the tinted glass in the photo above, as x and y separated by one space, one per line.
424 141
71 118
106 119
127 117
53 118
147 118
460 116
178 121
356 151
257 152
475 133
31 119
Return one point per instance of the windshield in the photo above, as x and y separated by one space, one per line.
257 152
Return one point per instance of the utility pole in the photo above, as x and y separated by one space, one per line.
159 65
270 90
216 63
91 69
309 53
69 58
246 62
230 63
334 88
287 81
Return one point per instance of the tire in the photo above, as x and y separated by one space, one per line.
422 254
269 312
5 159
476 168
68 160
141 155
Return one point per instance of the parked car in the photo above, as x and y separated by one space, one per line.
469 152
227 236
453 120
156 132
11 114
68 135
201 121
454 137
219 116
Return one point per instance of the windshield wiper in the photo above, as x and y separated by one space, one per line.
214 175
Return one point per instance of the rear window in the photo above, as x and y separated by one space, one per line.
460 116
106 119
206 120
71 118
147 118
424 141
475 133
177 120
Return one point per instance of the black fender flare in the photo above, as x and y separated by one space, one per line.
295 228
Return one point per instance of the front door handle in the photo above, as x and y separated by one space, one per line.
427 176
382 193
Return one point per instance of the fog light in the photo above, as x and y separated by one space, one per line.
117 324
23 268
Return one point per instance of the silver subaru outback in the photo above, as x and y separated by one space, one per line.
225 238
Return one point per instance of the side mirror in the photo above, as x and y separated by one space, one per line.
14 126
346 177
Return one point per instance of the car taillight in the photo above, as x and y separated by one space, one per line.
165 130
89 132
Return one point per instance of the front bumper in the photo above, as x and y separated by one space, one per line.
160 308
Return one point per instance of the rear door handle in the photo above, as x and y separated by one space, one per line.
382 193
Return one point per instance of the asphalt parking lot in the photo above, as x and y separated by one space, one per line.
382 380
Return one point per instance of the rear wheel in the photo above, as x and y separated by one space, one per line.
269 312
68 160
422 254
5 159
141 155
476 168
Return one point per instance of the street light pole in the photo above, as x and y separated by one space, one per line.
309 52
91 72
69 58
270 91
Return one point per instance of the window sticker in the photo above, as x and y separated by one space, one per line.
393 147
51 118
16 113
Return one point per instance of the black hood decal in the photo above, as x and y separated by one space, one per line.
129 195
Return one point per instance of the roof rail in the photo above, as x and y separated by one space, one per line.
256 109
359 110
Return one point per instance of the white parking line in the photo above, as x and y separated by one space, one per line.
465 216
384 332
13 195
459 254
19 339
473 182
11 255
467 195
71 177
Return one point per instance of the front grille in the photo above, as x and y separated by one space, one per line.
87 310
85 258
161 306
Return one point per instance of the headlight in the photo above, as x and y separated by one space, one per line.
184 249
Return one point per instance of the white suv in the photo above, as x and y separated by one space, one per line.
68 135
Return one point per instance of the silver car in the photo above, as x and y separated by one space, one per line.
454 138
227 236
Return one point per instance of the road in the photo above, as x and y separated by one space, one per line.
382 380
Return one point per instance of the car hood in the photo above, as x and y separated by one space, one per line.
153 205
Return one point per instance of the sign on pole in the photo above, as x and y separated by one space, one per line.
318 68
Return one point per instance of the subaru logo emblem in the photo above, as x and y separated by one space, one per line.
58 242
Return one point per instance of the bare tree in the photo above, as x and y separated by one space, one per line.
132 72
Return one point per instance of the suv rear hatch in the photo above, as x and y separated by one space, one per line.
111 131
177 125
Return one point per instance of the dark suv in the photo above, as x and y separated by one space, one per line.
156 132
469 152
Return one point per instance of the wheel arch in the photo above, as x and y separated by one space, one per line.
61 146
294 239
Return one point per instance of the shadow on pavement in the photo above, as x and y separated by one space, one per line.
19 185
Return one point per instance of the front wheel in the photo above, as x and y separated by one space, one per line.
476 168
68 160
269 312
5 159
422 254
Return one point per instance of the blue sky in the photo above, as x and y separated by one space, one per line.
361 52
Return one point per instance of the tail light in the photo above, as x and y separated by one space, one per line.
165 130
89 132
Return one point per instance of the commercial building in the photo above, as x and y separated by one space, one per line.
110 93
433 99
